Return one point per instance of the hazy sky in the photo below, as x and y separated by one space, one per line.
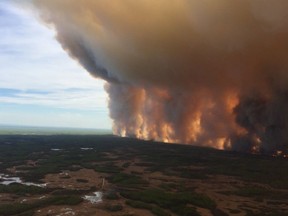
39 84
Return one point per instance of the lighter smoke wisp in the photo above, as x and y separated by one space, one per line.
209 72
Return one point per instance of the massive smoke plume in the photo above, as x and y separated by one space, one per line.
209 72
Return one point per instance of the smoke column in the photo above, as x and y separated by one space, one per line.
209 72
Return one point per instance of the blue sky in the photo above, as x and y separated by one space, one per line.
39 84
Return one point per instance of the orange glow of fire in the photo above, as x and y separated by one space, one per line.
195 128
153 125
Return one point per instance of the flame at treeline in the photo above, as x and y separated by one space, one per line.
210 72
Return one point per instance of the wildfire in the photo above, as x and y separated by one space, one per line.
280 153
153 118
187 71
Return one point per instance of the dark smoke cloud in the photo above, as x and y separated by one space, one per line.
212 72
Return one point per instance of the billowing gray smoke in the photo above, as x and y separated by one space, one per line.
209 72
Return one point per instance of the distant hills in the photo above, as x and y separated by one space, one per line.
34 130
